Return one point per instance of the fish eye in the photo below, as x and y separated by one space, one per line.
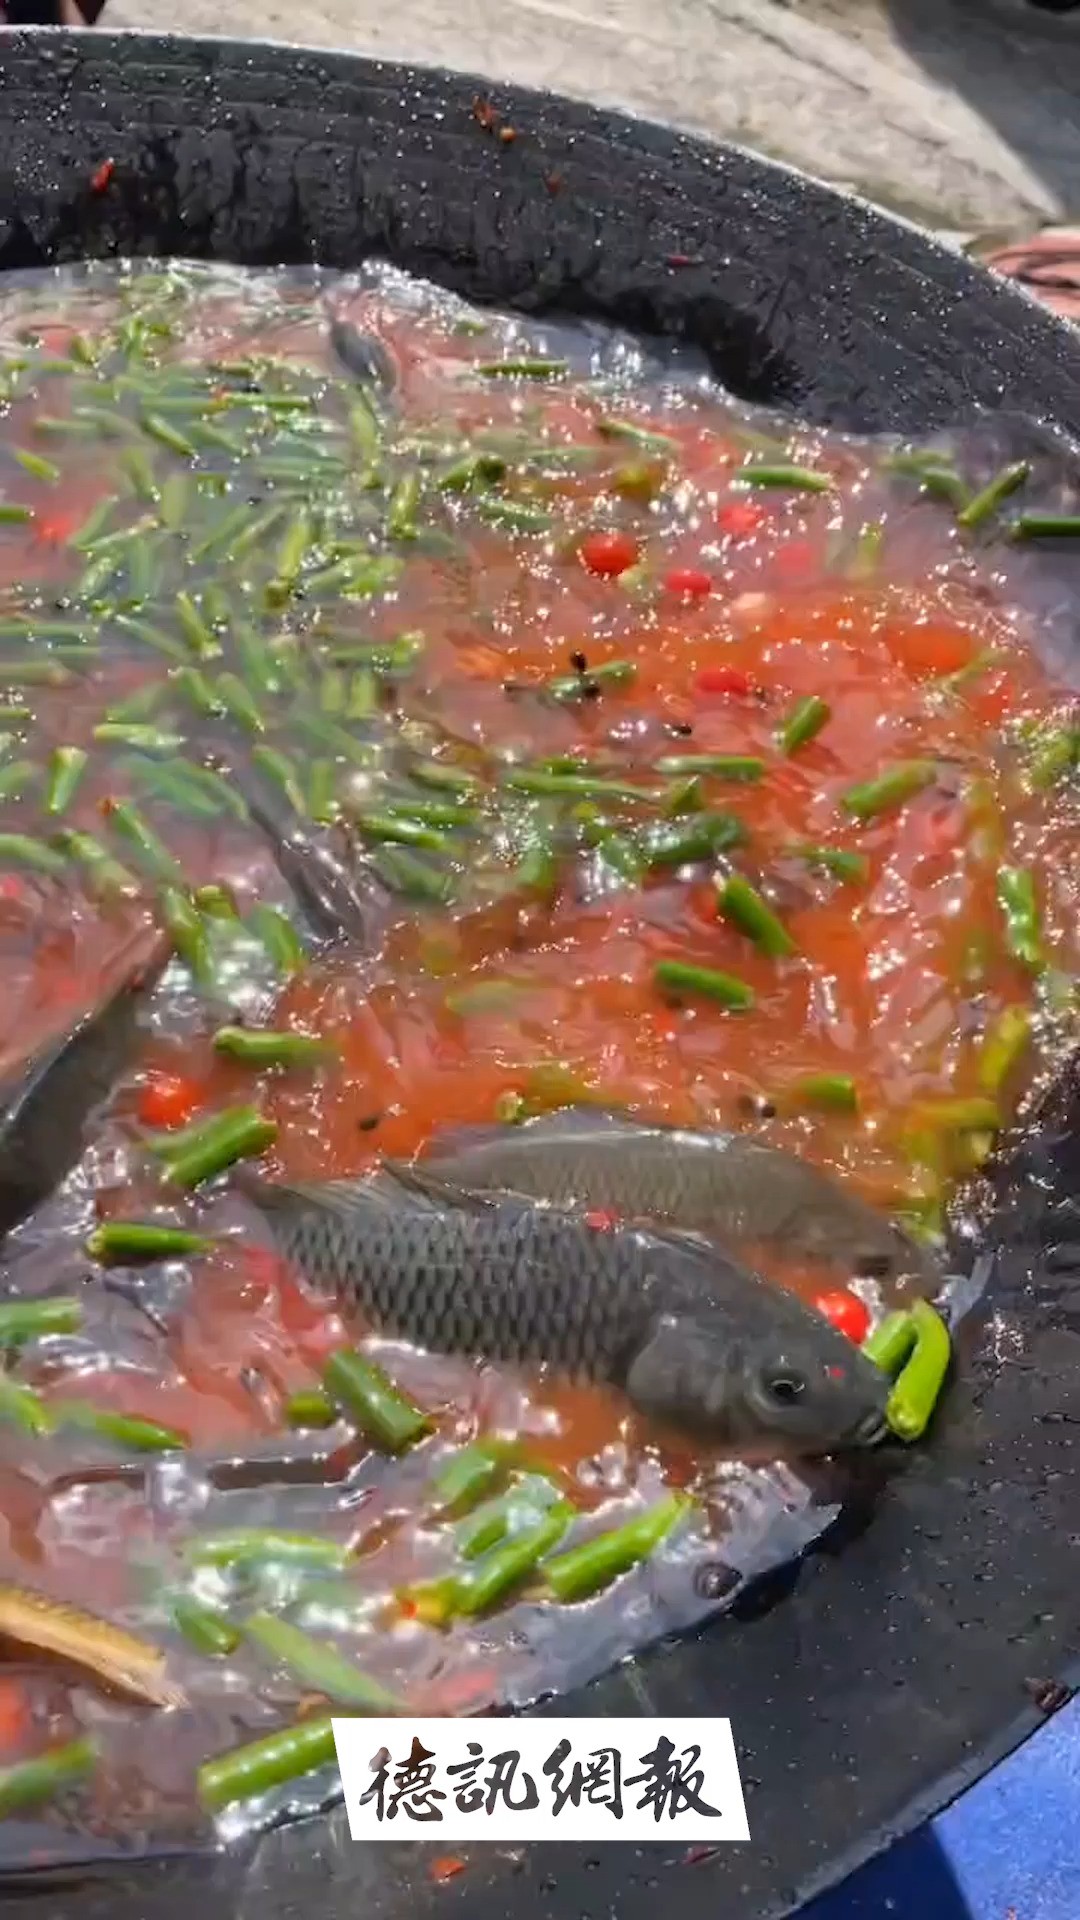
785 1388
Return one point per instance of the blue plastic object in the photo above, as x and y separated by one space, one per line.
1008 1849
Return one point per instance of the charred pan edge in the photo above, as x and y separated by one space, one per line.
910 1653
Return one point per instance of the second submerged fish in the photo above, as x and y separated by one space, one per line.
725 1186
691 1336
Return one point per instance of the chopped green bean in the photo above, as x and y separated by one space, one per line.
126 820
207 1630
1046 526
679 980
539 783
890 790
698 837
891 1341
364 1392
140 734
139 468
236 1134
500 1571
36 464
253 1546
277 766
986 502
470 1473
836 861
131 1241
725 766
126 1430
580 686
19 849
317 1664
167 435
1019 903
34 673
645 437
514 516
799 479
11 514
246 1772
836 1092
22 1320
803 724
400 831
17 779
918 1388
524 369
278 936
744 906
237 701
265 1049
199 636
472 470
310 1407
401 512
24 1408
28 1783
151 636
583 1570
105 876
406 874
1003 1047
1057 755
513 1512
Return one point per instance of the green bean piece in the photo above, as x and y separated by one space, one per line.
581 686
516 1511
139 468
1003 1048
401 512
945 483
490 1580
402 832
238 703
167 435
24 1408
213 785
835 861
36 464
296 540
322 801
246 1772
20 850
1057 756
200 692
986 502
725 766
1046 526
1019 903
891 1341
151 636
255 1546
539 783
277 766
257 530
134 733
257 662
207 1630
403 872
699 837
14 715
104 875
679 980
29 1783
23 1320
584 1570
174 506
362 696
126 1430
365 1393
199 636
470 1472
34 673
12 515
131 1242
266 1049
645 437
310 1407
536 368
239 1133
317 1664
431 813
746 908
803 724
799 479
215 901
836 1092
278 936
126 820
683 796
890 790
17 779
382 656
471 471
513 516
918 1387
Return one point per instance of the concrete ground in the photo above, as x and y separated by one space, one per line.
963 113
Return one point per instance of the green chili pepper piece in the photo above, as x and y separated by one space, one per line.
803 724
583 1570
918 1388
890 790
680 980
207 1630
364 1392
129 1242
744 906
247 1772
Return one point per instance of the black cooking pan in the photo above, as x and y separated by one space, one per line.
902 1660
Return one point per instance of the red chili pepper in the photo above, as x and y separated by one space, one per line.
446 1867
102 175
684 260
601 1219
691 583
608 554
847 1312
724 680
168 1100
740 518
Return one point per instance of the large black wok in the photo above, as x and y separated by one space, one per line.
899 1664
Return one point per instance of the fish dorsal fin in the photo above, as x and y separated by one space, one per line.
414 1184
389 1186
561 1123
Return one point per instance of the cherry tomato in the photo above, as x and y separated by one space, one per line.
608 554
690 583
847 1313
740 518
723 680
168 1100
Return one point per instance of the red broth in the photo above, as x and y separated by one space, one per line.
575 567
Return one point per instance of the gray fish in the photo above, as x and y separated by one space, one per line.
725 1186
46 1104
315 866
690 1336
362 356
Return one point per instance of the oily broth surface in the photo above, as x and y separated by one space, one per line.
895 981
